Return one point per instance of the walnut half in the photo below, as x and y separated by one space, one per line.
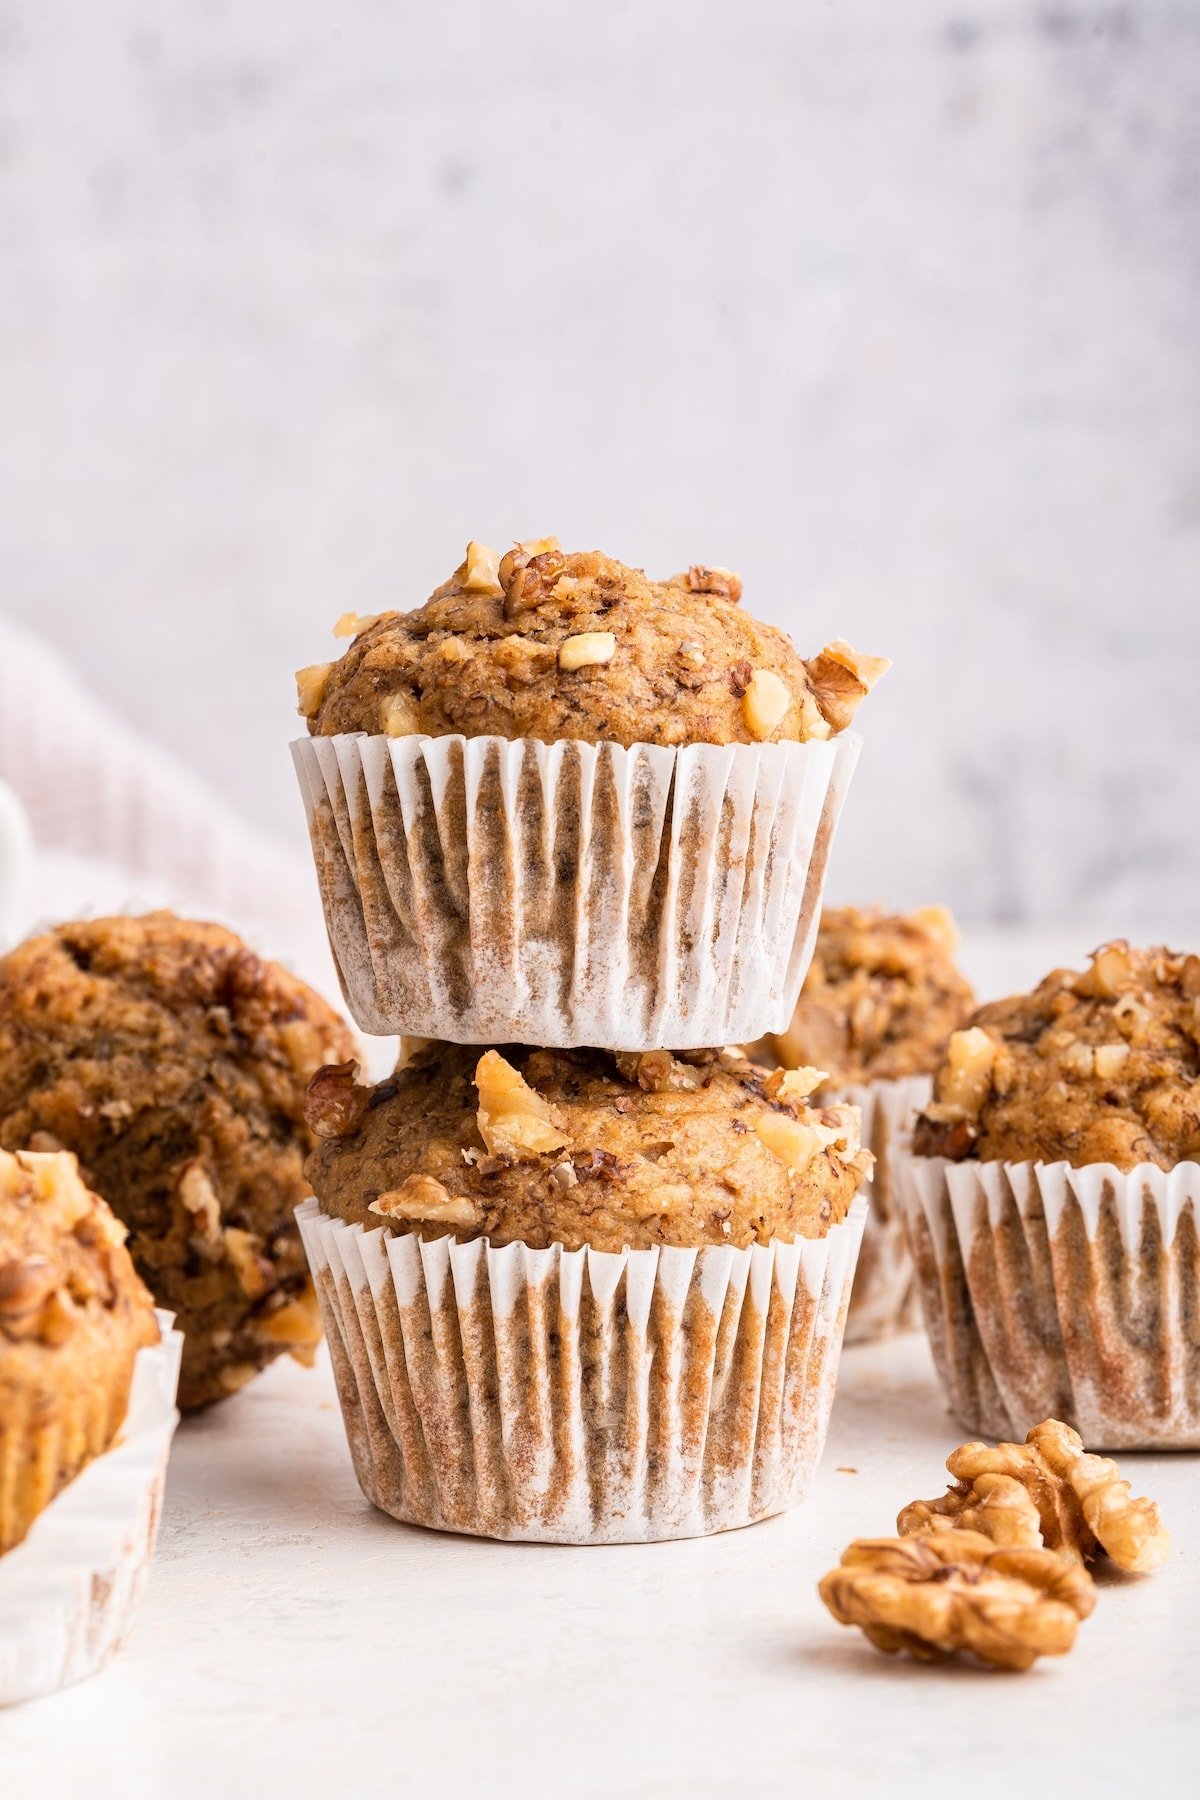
1046 1491
957 1591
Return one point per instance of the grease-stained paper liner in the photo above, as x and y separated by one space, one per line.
578 1396
569 893
1053 1292
884 1297
69 1590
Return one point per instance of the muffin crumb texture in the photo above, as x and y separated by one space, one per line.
543 644
881 996
174 1062
584 1147
1098 1067
73 1316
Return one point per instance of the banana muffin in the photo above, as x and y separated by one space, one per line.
879 1002
174 1061
73 1316
584 1147
1099 1067
1051 1199
545 644
581 1296
562 804
881 997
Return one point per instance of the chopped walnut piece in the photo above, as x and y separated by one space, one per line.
424 1201
27 1285
336 1102
957 1591
310 688
585 649
296 1325
398 717
243 1249
765 703
1110 972
793 1143
971 1056
480 572
197 1193
352 624
563 1177
513 1118
702 580
529 572
793 1084
841 679
1109 1060
658 1072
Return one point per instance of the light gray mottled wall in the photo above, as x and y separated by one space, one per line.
891 304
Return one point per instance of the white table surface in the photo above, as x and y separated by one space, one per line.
295 1643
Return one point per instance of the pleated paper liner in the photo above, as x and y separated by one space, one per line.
69 1591
1053 1292
577 1396
884 1297
569 893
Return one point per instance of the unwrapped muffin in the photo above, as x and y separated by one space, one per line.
73 1316
1050 1200
580 1295
563 803
881 997
174 1062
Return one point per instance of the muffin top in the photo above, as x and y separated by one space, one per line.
542 644
1102 1067
64 1269
881 997
584 1147
174 1061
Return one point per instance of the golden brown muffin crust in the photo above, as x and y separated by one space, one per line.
583 1147
881 996
545 645
1098 1067
73 1316
174 1062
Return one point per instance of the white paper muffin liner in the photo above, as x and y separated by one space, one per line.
69 1590
1054 1292
560 894
577 1396
884 1297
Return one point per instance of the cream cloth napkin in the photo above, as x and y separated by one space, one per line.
120 825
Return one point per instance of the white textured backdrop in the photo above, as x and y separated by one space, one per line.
890 304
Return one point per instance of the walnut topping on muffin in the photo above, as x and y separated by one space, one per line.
881 997
1098 1067
547 644
584 1147
73 1315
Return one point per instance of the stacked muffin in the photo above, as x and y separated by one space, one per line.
585 1280
879 1002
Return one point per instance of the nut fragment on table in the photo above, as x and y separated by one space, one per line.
957 1591
1047 1491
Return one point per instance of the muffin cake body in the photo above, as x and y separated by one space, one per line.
73 1316
585 1148
174 1062
562 804
582 1296
1051 1202
879 1002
